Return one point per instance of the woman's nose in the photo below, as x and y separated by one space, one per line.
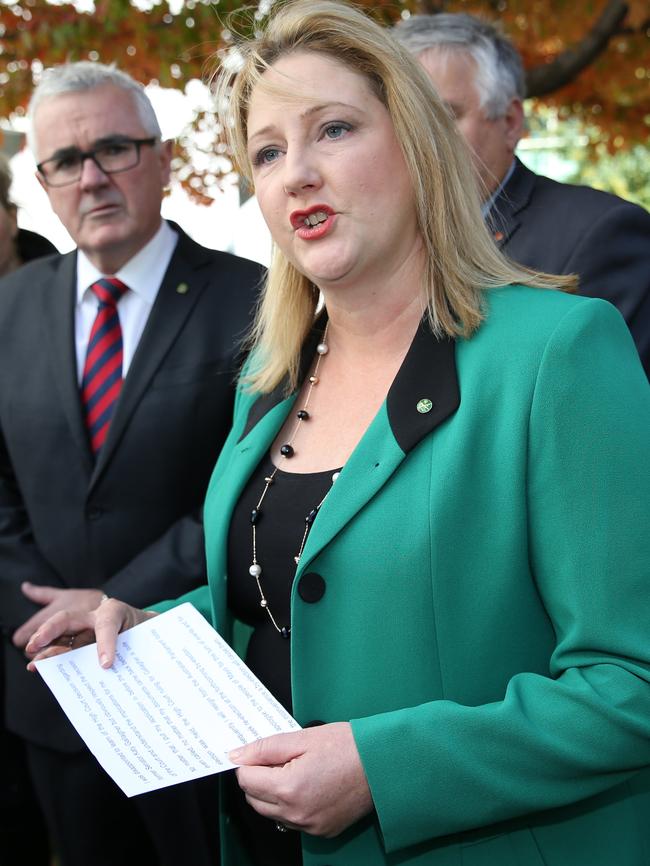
300 172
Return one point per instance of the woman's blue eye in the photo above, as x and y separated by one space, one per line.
264 157
336 130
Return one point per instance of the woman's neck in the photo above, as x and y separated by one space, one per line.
381 329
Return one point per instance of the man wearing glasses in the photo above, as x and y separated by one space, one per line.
117 364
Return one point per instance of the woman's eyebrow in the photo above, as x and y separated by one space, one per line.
308 112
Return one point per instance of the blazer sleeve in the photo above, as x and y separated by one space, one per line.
173 565
20 558
613 261
441 767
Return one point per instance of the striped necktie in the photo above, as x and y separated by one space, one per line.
102 375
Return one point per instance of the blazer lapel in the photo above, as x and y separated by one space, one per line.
503 219
59 317
424 394
168 315
266 416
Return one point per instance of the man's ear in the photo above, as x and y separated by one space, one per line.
39 178
514 123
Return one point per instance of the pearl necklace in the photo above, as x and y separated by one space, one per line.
286 453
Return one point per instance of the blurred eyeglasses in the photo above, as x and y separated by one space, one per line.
112 156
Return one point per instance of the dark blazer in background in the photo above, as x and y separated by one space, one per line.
566 229
128 524
23 836
33 246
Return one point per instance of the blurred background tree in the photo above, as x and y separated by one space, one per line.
587 61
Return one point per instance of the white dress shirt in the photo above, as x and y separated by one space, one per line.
143 275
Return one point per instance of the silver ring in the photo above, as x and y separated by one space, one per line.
71 642
280 827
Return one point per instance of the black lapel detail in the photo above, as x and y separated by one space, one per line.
59 312
427 376
266 402
503 219
189 267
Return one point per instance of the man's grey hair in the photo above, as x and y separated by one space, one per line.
86 75
499 70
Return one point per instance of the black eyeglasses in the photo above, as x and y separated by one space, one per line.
111 156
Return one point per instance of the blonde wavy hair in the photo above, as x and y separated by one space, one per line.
462 260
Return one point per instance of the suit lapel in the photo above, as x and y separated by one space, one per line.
59 329
168 315
503 219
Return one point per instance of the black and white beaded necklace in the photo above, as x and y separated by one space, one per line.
287 452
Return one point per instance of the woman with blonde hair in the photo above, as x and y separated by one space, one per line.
431 511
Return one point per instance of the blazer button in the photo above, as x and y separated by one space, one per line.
94 512
311 587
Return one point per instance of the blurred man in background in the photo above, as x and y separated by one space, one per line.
548 226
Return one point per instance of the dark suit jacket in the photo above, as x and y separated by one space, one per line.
565 229
129 523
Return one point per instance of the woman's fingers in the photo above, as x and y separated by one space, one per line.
65 622
46 654
70 629
111 618
311 779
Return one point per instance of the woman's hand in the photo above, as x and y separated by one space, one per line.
53 599
70 629
310 780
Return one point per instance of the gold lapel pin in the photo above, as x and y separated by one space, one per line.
182 288
424 405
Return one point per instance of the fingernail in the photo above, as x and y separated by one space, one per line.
235 755
103 660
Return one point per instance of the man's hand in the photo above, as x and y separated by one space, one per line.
53 600
310 780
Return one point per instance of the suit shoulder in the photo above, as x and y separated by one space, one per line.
236 264
32 275
584 202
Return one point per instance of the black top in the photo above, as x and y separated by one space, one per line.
280 528
32 246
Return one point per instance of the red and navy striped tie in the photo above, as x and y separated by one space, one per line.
102 376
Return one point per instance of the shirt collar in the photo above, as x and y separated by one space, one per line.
486 207
142 274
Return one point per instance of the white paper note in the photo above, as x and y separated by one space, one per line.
175 702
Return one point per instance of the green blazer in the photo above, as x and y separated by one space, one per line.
474 595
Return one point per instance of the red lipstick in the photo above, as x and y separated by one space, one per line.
313 223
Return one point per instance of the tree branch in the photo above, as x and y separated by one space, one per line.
429 7
547 78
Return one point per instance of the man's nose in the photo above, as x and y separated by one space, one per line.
91 174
